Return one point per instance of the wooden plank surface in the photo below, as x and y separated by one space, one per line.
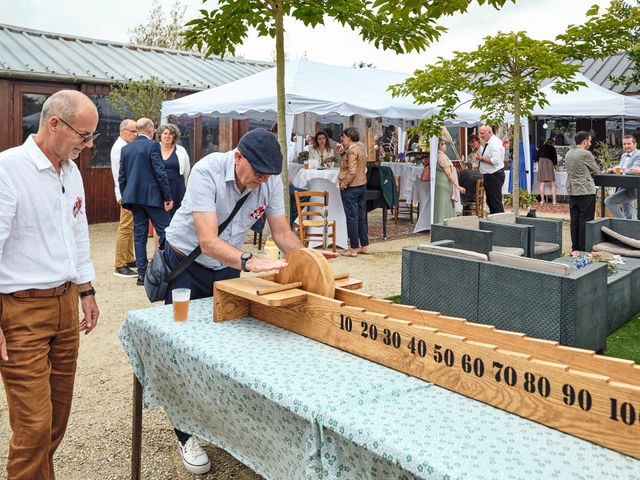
618 369
576 391
567 397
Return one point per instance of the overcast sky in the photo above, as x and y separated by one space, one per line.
114 19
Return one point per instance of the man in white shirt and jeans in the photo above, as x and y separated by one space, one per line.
44 267
491 158
125 258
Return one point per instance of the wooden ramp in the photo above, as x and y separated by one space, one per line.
576 391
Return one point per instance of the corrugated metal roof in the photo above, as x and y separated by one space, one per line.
50 56
600 71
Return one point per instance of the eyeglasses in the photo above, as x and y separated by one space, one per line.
258 175
86 137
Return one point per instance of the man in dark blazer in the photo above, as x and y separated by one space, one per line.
145 190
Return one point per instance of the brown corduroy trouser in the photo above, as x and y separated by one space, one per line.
124 239
42 343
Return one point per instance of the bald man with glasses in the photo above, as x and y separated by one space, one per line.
44 267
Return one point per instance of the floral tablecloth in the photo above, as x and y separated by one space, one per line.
292 408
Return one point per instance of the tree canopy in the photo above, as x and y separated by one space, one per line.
160 31
139 98
506 72
398 26
633 77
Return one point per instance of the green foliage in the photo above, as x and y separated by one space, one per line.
139 98
395 299
606 155
504 64
625 11
526 198
398 26
604 34
505 74
160 31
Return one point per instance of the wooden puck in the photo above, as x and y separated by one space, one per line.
311 269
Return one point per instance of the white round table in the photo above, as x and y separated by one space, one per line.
561 183
408 173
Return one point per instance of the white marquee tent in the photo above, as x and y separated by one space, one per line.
327 90
591 100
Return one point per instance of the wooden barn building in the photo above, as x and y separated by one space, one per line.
35 64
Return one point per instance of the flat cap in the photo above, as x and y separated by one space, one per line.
262 150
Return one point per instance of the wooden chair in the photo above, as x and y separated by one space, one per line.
403 203
477 206
308 218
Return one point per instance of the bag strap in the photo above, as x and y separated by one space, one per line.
189 259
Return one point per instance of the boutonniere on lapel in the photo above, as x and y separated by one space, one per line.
77 206
258 212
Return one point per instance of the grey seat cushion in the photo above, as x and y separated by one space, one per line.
518 252
530 263
503 217
617 249
453 252
545 247
470 222
630 242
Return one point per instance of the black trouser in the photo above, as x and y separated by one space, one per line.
141 216
582 209
493 190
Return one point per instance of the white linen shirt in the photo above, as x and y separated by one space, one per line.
631 159
44 238
212 188
495 151
116 151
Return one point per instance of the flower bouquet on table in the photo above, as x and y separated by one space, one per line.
584 259
303 156
327 162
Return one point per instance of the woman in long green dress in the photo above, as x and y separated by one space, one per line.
446 186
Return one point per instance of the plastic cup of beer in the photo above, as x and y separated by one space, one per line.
181 298
617 169
306 165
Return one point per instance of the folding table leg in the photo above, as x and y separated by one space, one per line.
136 430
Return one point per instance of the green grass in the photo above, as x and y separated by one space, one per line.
623 343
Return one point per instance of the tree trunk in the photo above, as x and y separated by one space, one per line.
515 170
281 114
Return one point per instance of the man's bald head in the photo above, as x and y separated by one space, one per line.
68 124
128 130
145 126
65 104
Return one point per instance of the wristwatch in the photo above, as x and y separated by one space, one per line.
86 293
244 258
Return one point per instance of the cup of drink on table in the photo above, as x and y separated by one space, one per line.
181 298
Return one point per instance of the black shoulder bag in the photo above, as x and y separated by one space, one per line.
158 276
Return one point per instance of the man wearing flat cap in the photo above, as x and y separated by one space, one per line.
216 184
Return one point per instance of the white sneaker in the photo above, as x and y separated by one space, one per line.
195 459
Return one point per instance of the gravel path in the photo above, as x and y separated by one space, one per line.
98 439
